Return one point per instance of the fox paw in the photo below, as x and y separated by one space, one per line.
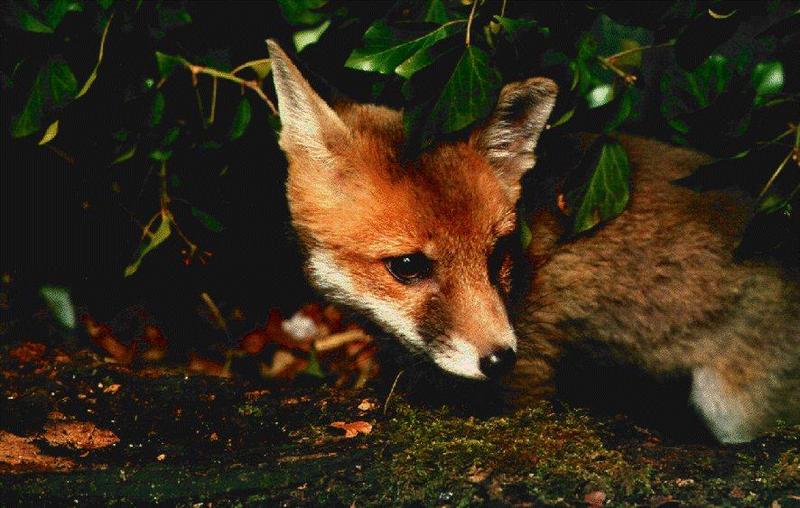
726 412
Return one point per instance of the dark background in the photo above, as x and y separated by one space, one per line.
62 223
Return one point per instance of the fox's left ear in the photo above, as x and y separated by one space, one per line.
309 127
509 137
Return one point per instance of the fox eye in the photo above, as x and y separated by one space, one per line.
409 268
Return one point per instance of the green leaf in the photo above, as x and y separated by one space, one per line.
468 95
127 154
93 74
161 155
167 63
436 12
209 221
514 28
171 136
303 38
157 111
314 368
606 193
30 23
63 84
60 304
600 95
30 119
384 52
767 79
150 242
302 12
50 133
52 89
56 11
241 120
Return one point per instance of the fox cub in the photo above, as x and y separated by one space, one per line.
425 249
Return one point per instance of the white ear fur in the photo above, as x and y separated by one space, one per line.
308 125
510 135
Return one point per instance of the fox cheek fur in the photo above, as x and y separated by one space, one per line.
417 246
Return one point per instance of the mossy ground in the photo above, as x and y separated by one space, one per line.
194 439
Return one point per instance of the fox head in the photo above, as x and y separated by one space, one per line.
421 247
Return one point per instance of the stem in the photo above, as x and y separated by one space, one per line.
774 176
503 8
609 61
641 48
249 64
469 22
252 85
213 101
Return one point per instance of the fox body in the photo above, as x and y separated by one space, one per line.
425 249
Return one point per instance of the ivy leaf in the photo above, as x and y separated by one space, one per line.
302 12
30 23
384 51
56 11
63 84
167 63
53 88
514 28
303 38
768 78
60 304
468 95
157 110
209 221
241 120
50 133
606 193
93 74
150 242
436 12
126 155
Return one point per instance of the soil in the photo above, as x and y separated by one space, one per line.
78 429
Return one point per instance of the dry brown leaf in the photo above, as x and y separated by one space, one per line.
18 454
28 351
353 429
112 389
78 435
367 405
595 499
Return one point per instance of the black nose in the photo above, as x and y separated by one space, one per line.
497 363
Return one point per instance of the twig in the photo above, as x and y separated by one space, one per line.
469 22
251 63
394 385
774 175
215 311
252 85
213 101
609 61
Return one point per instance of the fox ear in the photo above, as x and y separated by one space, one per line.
309 127
509 137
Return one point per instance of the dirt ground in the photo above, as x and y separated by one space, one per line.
77 429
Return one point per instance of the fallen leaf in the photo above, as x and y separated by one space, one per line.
595 499
366 405
354 428
78 435
18 454
28 351
112 389
160 457
200 365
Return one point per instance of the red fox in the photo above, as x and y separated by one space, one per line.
423 248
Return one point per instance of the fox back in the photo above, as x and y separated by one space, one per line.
425 248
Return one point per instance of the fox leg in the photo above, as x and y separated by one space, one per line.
733 412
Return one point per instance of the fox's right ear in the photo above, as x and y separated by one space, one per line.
509 137
309 127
